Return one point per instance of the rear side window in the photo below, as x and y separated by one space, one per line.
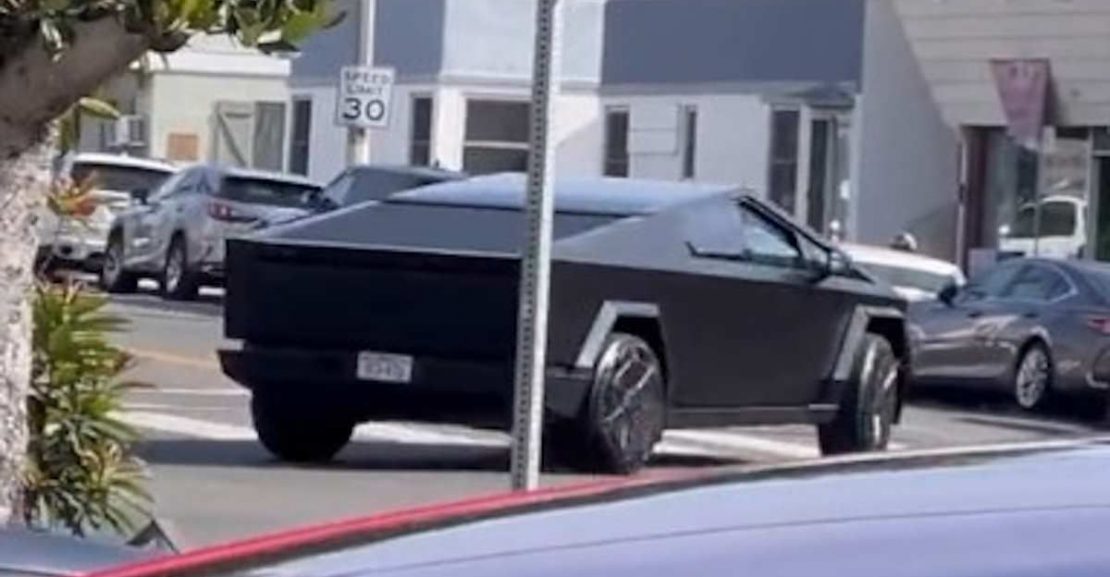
266 192
119 178
1037 283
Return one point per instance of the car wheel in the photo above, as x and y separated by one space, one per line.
292 433
869 404
625 413
114 278
1032 379
178 281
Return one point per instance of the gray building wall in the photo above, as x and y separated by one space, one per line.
323 53
729 41
908 163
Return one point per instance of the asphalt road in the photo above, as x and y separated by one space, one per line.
212 481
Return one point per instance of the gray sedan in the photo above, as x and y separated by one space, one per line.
1031 327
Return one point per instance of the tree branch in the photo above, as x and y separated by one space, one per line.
35 89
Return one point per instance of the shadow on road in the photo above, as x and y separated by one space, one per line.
367 456
205 304
1061 416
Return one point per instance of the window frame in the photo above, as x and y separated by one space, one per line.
623 160
774 162
469 144
413 141
689 115
296 145
1044 267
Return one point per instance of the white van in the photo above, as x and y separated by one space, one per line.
1063 231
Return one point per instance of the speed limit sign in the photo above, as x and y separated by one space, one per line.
364 96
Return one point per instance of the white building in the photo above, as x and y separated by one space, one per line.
210 101
817 105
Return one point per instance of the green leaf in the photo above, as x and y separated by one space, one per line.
299 26
98 108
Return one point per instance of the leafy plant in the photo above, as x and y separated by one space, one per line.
81 474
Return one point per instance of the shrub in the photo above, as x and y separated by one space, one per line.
81 475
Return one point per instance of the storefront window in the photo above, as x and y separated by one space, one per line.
1036 202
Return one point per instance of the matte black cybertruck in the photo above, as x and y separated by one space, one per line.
671 306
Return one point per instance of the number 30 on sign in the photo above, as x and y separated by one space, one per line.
364 96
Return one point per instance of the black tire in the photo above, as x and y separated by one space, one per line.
869 405
625 412
1031 381
179 282
294 434
113 277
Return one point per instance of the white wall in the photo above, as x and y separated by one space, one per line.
327 149
185 103
906 172
578 127
733 137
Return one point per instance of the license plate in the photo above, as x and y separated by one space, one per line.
384 367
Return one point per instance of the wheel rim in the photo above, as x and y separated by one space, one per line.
174 266
884 408
1031 381
629 405
112 264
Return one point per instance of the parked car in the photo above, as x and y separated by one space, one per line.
176 235
80 243
915 277
1062 233
26 553
985 513
1031 327
375 182
672 306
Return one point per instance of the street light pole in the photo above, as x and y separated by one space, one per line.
535 264
358 138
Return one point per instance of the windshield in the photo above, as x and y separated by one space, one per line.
369 184
268 192
903 277
119 178
1058 218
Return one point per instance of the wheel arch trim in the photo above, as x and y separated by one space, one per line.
604 321
853 337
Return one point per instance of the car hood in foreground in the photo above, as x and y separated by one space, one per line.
24 552
1035 512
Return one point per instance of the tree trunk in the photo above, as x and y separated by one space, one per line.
24 180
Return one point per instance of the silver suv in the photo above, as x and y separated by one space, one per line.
176 234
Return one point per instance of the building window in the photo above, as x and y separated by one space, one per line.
496 137
783 181
689 141
616 142
420 147
300 135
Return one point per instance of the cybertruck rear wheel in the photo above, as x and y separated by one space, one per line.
624 416
297 434
869 404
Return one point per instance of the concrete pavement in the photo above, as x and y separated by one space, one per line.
213 481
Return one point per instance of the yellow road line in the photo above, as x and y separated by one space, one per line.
206 363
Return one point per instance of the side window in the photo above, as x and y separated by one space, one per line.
991 283
766 241
1036 283
172 185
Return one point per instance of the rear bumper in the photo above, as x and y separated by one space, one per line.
441 390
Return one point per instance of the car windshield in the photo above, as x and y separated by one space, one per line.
119 178
1058 218
268 192
905 277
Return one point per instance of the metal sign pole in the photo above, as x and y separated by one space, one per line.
358 138
535 265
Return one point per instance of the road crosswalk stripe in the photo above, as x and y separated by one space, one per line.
685 442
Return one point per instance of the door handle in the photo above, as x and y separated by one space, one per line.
974 314
1030 314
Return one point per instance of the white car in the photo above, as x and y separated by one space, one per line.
80 243
915 277
1063 231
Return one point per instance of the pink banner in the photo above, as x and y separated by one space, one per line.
1023 88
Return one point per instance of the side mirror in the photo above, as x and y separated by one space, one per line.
947 295
835 263
140 195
